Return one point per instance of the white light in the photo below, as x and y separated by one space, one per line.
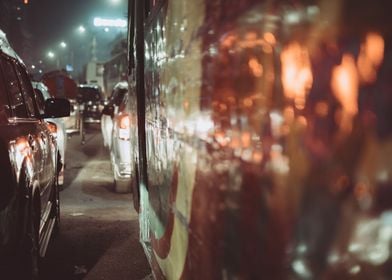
63 45
300 267
32 66
50 54
106 29
40 71
115 2
110 22
81 29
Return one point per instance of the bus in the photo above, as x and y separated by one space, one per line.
261 136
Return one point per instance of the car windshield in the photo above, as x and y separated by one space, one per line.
89 94
118 96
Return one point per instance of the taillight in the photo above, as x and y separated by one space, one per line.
123 123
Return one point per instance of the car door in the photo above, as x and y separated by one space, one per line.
43 136
28 126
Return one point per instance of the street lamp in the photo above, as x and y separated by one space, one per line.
81 29
51 54
115 2
63 45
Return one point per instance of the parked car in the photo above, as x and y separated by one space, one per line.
56 125
29 199
118 138
90 98
115 99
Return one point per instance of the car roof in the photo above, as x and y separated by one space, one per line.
6 48
121 85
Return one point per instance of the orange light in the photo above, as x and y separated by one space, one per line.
370 57
26 2
246 139
22 147
255 67
269 38
124 122
297 77
344 84
52 128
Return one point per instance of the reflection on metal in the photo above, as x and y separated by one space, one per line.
268 140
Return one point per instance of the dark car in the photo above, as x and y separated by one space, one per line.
90 98
29 199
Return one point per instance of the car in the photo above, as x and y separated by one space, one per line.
29 195
120 146
56 125
115 99
90 99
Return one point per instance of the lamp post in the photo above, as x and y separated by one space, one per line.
53 57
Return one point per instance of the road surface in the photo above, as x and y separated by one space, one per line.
99 233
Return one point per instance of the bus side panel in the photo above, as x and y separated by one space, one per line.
173 72
268 141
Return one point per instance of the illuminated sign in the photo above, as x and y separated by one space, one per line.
110 22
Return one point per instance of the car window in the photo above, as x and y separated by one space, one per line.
27 90
4 105
124 102
86 94
118 98
39 97
12 86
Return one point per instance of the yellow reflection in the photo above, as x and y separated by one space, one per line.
297 77
370 57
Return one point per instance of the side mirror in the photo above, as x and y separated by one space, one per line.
108 110
57 108
39 97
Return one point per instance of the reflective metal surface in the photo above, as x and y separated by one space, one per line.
268 140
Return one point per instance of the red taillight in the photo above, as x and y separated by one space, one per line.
123 122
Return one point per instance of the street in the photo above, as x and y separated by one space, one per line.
99 231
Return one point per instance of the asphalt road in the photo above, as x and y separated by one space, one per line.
99 234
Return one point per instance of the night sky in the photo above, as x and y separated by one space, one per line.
53 21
